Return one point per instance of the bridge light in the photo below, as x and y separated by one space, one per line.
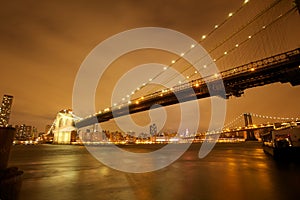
197 85
263 27
132 92
249 36
203 37
215 60
106 109
187 77
144 84
225 53
129 102
137 102
165 68
192 46
246 1
115 104
204 66
237 45
230 14
142 98
179 82
182 54
123 99
196 72
150 79
252 69
216 75
127 95
173 61
216 26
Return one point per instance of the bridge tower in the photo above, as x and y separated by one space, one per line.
248 122
64 130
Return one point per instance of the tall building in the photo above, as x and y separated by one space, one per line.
24 132
5 110
153 129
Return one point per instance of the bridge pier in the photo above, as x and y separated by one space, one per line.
250 133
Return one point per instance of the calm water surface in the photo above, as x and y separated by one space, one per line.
230 171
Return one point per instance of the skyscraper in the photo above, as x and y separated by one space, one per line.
5 110
153 130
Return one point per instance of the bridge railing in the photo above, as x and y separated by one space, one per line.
250 67
266 62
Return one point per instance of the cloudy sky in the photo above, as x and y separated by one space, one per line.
43 43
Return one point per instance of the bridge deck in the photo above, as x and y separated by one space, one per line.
284 67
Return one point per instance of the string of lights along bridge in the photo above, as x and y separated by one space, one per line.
243 41
280 68
250 48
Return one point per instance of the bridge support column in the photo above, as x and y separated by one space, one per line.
248 122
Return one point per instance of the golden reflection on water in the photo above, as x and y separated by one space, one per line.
228 172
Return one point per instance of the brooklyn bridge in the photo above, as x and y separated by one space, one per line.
255 54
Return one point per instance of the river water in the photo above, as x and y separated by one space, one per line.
230 171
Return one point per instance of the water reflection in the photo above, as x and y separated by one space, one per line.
230 171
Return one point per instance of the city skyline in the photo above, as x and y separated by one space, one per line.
44 43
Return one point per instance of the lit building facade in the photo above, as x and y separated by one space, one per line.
5 110
64 129
25 132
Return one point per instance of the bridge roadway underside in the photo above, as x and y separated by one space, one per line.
282 72
233 85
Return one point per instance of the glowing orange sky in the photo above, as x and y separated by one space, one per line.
43 44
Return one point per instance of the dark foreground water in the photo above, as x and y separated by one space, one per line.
230 171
